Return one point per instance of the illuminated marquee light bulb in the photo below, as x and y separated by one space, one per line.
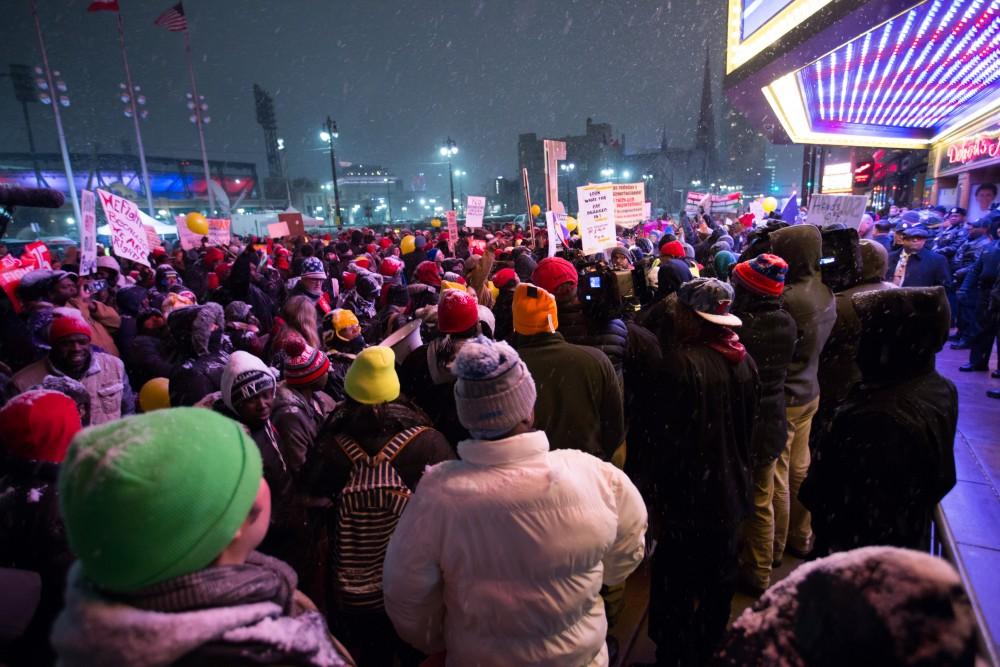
858 77
889 66
819 89
904 90
871 77
921 69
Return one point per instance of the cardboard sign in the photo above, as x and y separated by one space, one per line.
36 256
452 219
596 217
630 200
296 224
88 234
836 209
475 207
277 230
152 238
128 238
219 233
9 280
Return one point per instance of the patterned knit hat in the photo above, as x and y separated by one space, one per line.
305 364
494 391
764 274
244 377
312 267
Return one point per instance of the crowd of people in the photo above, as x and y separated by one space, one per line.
381 448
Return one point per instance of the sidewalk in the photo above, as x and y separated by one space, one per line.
972 509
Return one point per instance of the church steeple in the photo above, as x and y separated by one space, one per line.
705 135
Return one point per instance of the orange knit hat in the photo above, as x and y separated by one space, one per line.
534 310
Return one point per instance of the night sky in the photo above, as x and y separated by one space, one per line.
399 77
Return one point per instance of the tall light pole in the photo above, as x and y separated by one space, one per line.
328 135
284 169
567 168
449 150
388 202
460 175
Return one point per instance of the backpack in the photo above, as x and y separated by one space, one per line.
368 509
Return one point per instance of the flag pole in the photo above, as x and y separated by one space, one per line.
198 119
147 184
54 94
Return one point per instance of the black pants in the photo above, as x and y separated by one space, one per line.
371 639
981 345
693 582
969 324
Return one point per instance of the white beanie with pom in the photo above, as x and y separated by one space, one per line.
494 391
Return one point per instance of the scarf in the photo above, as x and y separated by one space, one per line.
729 346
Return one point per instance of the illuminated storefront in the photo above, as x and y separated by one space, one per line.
879 74
965 171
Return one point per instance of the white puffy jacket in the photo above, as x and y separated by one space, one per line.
499 558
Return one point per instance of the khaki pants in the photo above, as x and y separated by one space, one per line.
791 519
758 530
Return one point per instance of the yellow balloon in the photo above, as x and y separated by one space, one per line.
155 395
435 223
571 223
197 223
536 210
769 204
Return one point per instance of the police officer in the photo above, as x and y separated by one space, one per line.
968 297
912 264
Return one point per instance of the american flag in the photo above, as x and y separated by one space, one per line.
173 19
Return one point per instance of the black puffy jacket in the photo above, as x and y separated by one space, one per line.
610 337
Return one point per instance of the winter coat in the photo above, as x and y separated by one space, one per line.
889 458
223 615
980 278
694 468
147 357
411 261
769 334
810 304
524 265
924 269
104 322
948 241
503 311
297 420
111 395
967 255
428 381
199 357
33 538
609 337
130 305
472 567
579 404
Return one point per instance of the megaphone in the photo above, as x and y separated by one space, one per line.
404 340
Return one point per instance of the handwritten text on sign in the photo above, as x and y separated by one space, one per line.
836 209
629 204
128 237
596 217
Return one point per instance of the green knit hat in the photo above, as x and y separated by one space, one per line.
155 496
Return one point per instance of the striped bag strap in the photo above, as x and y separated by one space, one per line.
353 450
396 444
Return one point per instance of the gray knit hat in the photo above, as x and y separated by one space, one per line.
494 390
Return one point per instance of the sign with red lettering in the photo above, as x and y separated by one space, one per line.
10 279
973 149
36 256
128 236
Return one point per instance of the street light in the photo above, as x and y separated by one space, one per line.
449 150
626 174
607 173
328 135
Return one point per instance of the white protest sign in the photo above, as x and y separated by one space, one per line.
277 230
452 219
647 210
554 222
218 233
596 217
128 237
474 210
630 200
836 209
88 234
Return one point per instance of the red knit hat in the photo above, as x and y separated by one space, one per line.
349 279
363 262
428 273
38 425
504 277
764 274
214 255
305 364
385 243
390 266
673 249
457 311
64 326
552 272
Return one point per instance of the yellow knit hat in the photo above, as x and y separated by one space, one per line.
372 378
408 244
447 284
343 318
534 310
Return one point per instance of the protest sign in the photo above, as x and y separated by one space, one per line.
452 219
277 230
629 201
218 233
555 223
296 224
845 210
37 256
10 278
729 203
696 200
474 210
88 234
596 217
128 238
647 210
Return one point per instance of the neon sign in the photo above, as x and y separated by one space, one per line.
980 147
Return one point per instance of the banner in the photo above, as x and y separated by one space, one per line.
596 217
296 224
37 256
696 200
452 219
88 234
722 204
844 210
277 230
9 280
128 238
475 207
219 233
630 200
